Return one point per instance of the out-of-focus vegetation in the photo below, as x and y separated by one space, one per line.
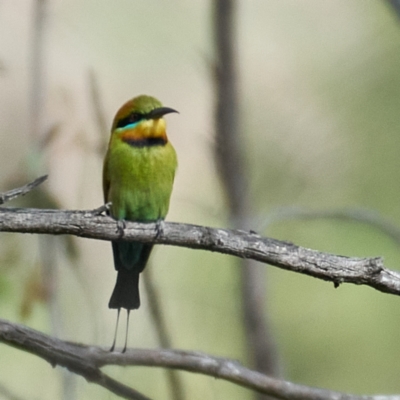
320 93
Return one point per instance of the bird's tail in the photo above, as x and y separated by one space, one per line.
126 291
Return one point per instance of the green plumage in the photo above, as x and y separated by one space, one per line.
138 176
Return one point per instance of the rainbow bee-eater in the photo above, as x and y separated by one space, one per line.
138 175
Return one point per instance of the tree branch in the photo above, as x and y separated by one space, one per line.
57 352
285 255
87 361
21 191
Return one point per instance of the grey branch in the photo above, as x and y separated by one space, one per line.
74 357
285 255
87 361
21 191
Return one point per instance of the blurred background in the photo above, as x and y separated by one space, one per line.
318 86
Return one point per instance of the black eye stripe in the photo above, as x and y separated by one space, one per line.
130 119
146 142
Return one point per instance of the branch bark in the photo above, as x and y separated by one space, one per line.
87 361
285 255
57 352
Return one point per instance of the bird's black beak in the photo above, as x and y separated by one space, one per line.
159 112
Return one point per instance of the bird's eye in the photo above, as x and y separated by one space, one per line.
130 119
135 117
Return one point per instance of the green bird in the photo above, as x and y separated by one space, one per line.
138 175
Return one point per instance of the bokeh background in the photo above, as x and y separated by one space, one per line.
319 88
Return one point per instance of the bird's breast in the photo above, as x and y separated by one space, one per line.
141 179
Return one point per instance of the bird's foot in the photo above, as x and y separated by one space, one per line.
101 209
159 228
121 225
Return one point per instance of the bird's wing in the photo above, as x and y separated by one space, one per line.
106 180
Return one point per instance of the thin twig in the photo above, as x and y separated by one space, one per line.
362 215
103 208
21 191
87 361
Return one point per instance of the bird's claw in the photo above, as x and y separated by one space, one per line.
121 227
159 228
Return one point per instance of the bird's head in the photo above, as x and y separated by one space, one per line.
141 119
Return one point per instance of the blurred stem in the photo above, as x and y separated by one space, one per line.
47 244
48 255
396 6
230 160
6 394
228 148
37 69
361 215
157 314
99 113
